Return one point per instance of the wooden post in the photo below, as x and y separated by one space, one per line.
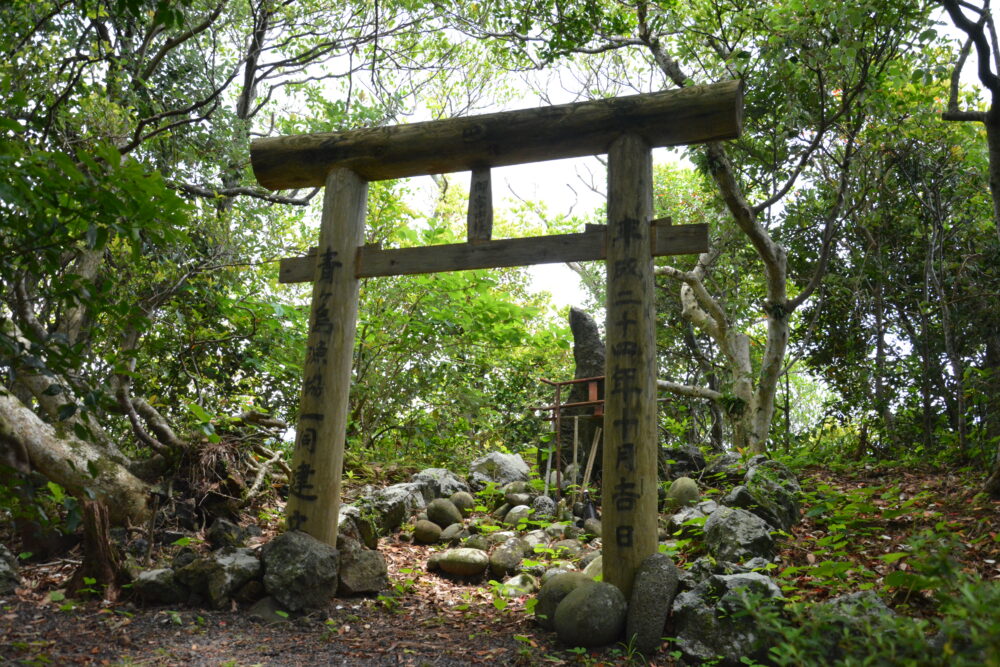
480 217
628 496
317 464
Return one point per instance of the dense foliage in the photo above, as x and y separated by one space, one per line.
847 306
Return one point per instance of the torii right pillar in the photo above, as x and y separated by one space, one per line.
629 477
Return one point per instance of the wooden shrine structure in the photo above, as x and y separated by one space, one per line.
626 128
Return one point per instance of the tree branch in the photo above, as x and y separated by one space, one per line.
689 390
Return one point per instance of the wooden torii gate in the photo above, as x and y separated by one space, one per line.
626 128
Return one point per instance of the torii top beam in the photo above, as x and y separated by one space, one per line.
686 116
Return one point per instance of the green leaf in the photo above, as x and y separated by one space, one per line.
199 412
66 411
57 491
893 557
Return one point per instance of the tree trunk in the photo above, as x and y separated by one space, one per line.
76 465
101 570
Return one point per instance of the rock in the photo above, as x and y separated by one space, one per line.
554 588
480 542
498 468
250 592
706 507
464 562
555 571
300 571
588 558
858 609
556 531
595 568
544 507
501 511
726 467
593 527
592 614
706 566
443 512
518 585
506 559
454 534
361 571
266 610
388 508
683 492
687 523
500 537
707 625
517 515
567 549
220 574
535 538
653 591
741 497
426 532
776 470
225 533
439 483
351 524
683 461
159 586
464 501
735 535
775 492
9 579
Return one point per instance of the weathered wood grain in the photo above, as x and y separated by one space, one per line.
629 473
317 462
585 246
480 217
685 116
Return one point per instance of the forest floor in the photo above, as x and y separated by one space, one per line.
852 520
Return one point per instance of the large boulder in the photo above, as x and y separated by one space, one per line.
775 492
464 562
653 591
555 587
159 586
683 461
300 571
361 570
497 468
708 625
727 467
735 535
388 508
8 571
592 614
439 483
220 574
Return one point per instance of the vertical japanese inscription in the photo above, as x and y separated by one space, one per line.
314 486
629 470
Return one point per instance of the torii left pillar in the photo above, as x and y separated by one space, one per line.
318 460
